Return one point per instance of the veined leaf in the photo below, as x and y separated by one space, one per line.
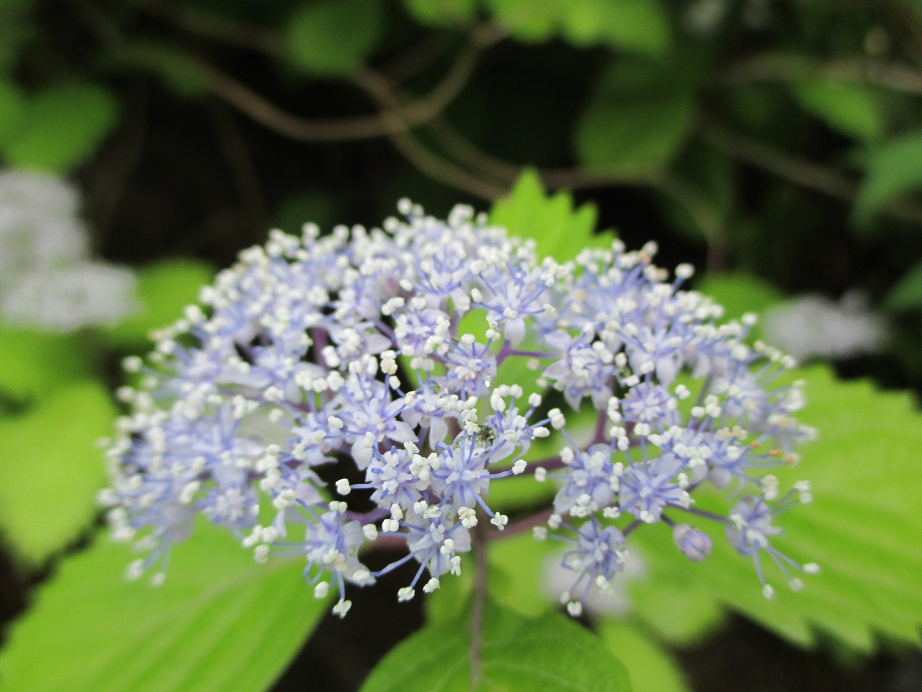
863 528
550 652
219 622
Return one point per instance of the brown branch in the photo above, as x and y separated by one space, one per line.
773 68
799 170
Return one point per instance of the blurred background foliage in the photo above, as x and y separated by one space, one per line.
775 144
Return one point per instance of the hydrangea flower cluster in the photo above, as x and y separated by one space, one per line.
337 390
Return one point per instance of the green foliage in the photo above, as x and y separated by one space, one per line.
219 622
12 108
559 229
637 26
640 116
852 109
51 469
163 289
907 294
60 126
894 169
649 666
442 12
862 528
33 363
516 652
333 37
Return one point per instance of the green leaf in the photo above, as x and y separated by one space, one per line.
850 108
907 294
163 289
559 229
650 666
219 622
12 109
863 528
61 127
636 26
550 652
51 469
33 362
894 169
638 120
333 37
442 12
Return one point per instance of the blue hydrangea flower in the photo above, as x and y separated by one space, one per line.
403 355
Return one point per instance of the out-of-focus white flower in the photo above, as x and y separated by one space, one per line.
47 279
813 326
70 297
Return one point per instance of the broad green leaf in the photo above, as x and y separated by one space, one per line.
894 169
33 362
638 120
907 294
219 622
61 126
650 666
863 528
559 229
550 652
163 289
442 12
51 469
12 109
333 37
850 108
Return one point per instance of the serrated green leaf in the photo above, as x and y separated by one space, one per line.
62 125
549 652
907 294
894 169
51 469
863 528
850 108
442 12
33 363
559 229
333 37
638 120
650 666
163 289
219 622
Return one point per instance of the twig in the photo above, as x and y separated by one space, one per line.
799 170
